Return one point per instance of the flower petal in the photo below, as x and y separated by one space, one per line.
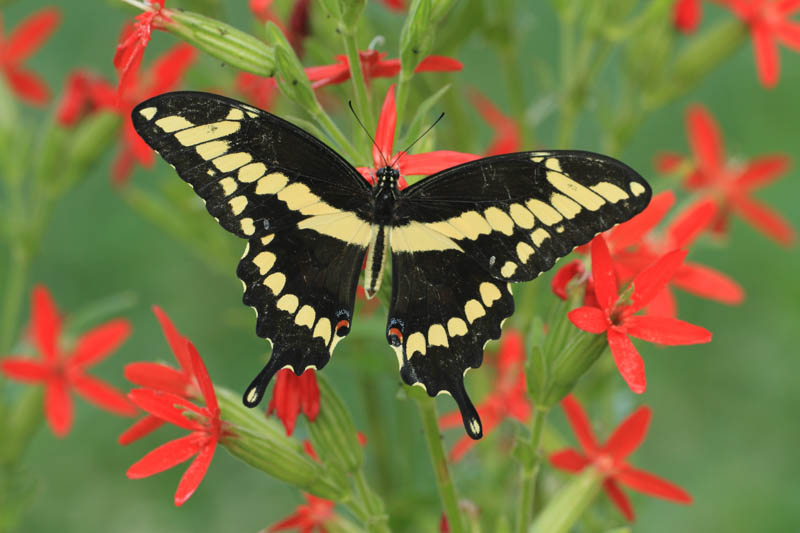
141 428
157 376
167 71
58 407
568 460
663 304
589 319
25 369
439 63
766 220
194 474
762 171
201 374
103 395
30 34
28 86
628 361
690 223
564 275
629 434
632 232
167 455
705 139
384 135
98 343
580 424
766 54
176 341
788 33
309 394
666 330
45 322
652 280
166 406
431 162
668 162
652 485
619 499
605 279
708 283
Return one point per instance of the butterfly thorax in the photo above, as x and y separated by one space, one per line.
385 194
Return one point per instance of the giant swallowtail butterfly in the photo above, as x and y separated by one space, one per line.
458 238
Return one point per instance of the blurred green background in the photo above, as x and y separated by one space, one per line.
725 422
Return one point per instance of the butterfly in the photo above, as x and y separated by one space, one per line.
457 238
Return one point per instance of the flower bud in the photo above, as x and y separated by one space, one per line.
416 36
351 11
567 367
569 503
333 432
289 73
220 40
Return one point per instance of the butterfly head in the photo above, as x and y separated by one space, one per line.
387 176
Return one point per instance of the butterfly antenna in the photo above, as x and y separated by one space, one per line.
350 103
404 152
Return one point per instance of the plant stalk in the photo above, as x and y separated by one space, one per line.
530 472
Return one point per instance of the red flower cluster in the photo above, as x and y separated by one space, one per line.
167 402
84 93
610 459
24 41
408 164
293 393
62 370
615 314
729 186
134 40
508 397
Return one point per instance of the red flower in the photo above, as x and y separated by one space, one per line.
408 165
293 393
507 136
298 26
769 24
610 459
134 40
395 5
374 65
686 15
204 423
84 93
24 41
161 377
61 371
313 515
728 185
164 75
508 397
615 315
565 274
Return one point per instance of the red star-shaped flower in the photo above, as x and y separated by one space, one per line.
507 136
134 39
24 41
161 377
408 164
769 25
373 65
306 518
616 316
292 394
62 370
686 14
610 459
84 93
730 186
508 398
204 423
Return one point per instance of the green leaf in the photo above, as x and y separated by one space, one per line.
568 504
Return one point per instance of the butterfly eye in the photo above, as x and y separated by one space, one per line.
395 337
342 328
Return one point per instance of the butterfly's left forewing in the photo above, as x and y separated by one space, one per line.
462 235
303 210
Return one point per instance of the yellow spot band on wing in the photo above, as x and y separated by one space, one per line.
566 206
207 132
250 173
473 310
288 303
148 112
544 212
173 123
418 237
275 282
456 327
609 191
271 183
583 195
305 316
415 343
212 149
489 293
437 336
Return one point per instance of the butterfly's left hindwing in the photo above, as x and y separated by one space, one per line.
302 208
460 236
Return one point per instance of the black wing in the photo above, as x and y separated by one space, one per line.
461 235
303 209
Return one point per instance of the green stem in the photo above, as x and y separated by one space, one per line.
357 77
374 514
530 472
336 134
401 96
16 278
447 491
516 92
379 442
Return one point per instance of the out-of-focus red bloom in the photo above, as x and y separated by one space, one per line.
161 377
164 75
84 93
298 25
306 518
62 370
292 394
565 274
616 317
28 37
373 65
407 164
507 136
134 39
508 398
396 5
610 459
730 186
686 15
205 426
259 91
769 25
